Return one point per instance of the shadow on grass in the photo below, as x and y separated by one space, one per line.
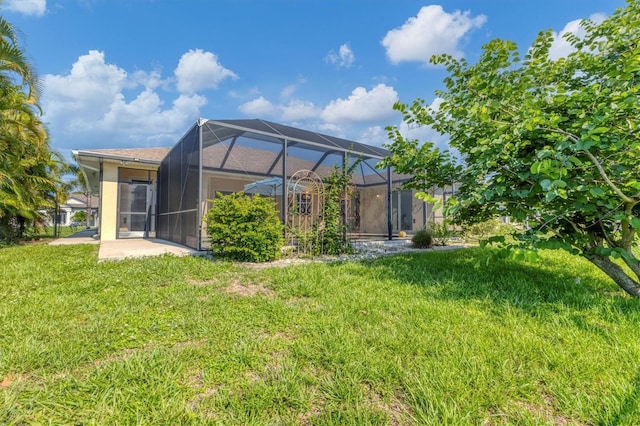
557 279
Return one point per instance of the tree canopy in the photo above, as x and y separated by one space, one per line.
554 144
29 171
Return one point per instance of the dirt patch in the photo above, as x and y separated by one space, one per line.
248 290
195 381
6 381
396 408
203 283
546 412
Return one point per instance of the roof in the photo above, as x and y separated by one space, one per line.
292 134
148 155
79 199
252 146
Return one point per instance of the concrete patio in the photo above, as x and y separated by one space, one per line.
127 248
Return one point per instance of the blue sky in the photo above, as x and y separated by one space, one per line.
139 73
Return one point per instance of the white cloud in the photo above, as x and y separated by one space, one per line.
144 115
560 47
375 135
257 107
362 105
150 80
26 7
344 58
88 107
91 82
289 90
432 32
299 110
199 70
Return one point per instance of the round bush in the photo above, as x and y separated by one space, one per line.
244 228
422 239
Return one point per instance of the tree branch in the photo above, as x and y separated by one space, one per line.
612 185
596 163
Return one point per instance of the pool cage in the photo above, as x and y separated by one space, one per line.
225 156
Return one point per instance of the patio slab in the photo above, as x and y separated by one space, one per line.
127 248
86 236
141 247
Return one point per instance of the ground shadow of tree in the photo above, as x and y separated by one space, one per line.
530 286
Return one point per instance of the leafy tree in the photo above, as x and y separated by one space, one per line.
79 216
552 143
29 171
14 63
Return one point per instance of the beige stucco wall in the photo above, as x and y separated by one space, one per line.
109 202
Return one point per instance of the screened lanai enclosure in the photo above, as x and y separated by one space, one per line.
226 156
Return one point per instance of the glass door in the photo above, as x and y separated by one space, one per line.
136 218
402 210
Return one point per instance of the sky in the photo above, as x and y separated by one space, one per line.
140 73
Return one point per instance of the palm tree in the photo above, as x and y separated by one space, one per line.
14 63
30 173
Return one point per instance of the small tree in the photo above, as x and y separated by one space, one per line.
79 216
552 143
244 228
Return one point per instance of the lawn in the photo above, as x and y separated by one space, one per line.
424 338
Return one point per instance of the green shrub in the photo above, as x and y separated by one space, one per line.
244 228
488 228
79 216
440 233
422 239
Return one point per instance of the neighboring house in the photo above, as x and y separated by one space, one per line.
164 192
75 202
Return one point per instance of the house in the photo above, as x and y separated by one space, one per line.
76 202
164 192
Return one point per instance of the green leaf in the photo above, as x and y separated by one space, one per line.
426 197
596 191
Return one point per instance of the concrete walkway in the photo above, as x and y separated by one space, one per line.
141 247
127 248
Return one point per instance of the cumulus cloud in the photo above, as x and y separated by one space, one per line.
91 83
432 32
560 47
344 58
88 107
199 70
374 135
258 107
299 110
362 105
26 7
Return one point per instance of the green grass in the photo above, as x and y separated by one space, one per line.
425 338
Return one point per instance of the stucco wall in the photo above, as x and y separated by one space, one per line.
109 202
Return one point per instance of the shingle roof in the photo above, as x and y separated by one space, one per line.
149 154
